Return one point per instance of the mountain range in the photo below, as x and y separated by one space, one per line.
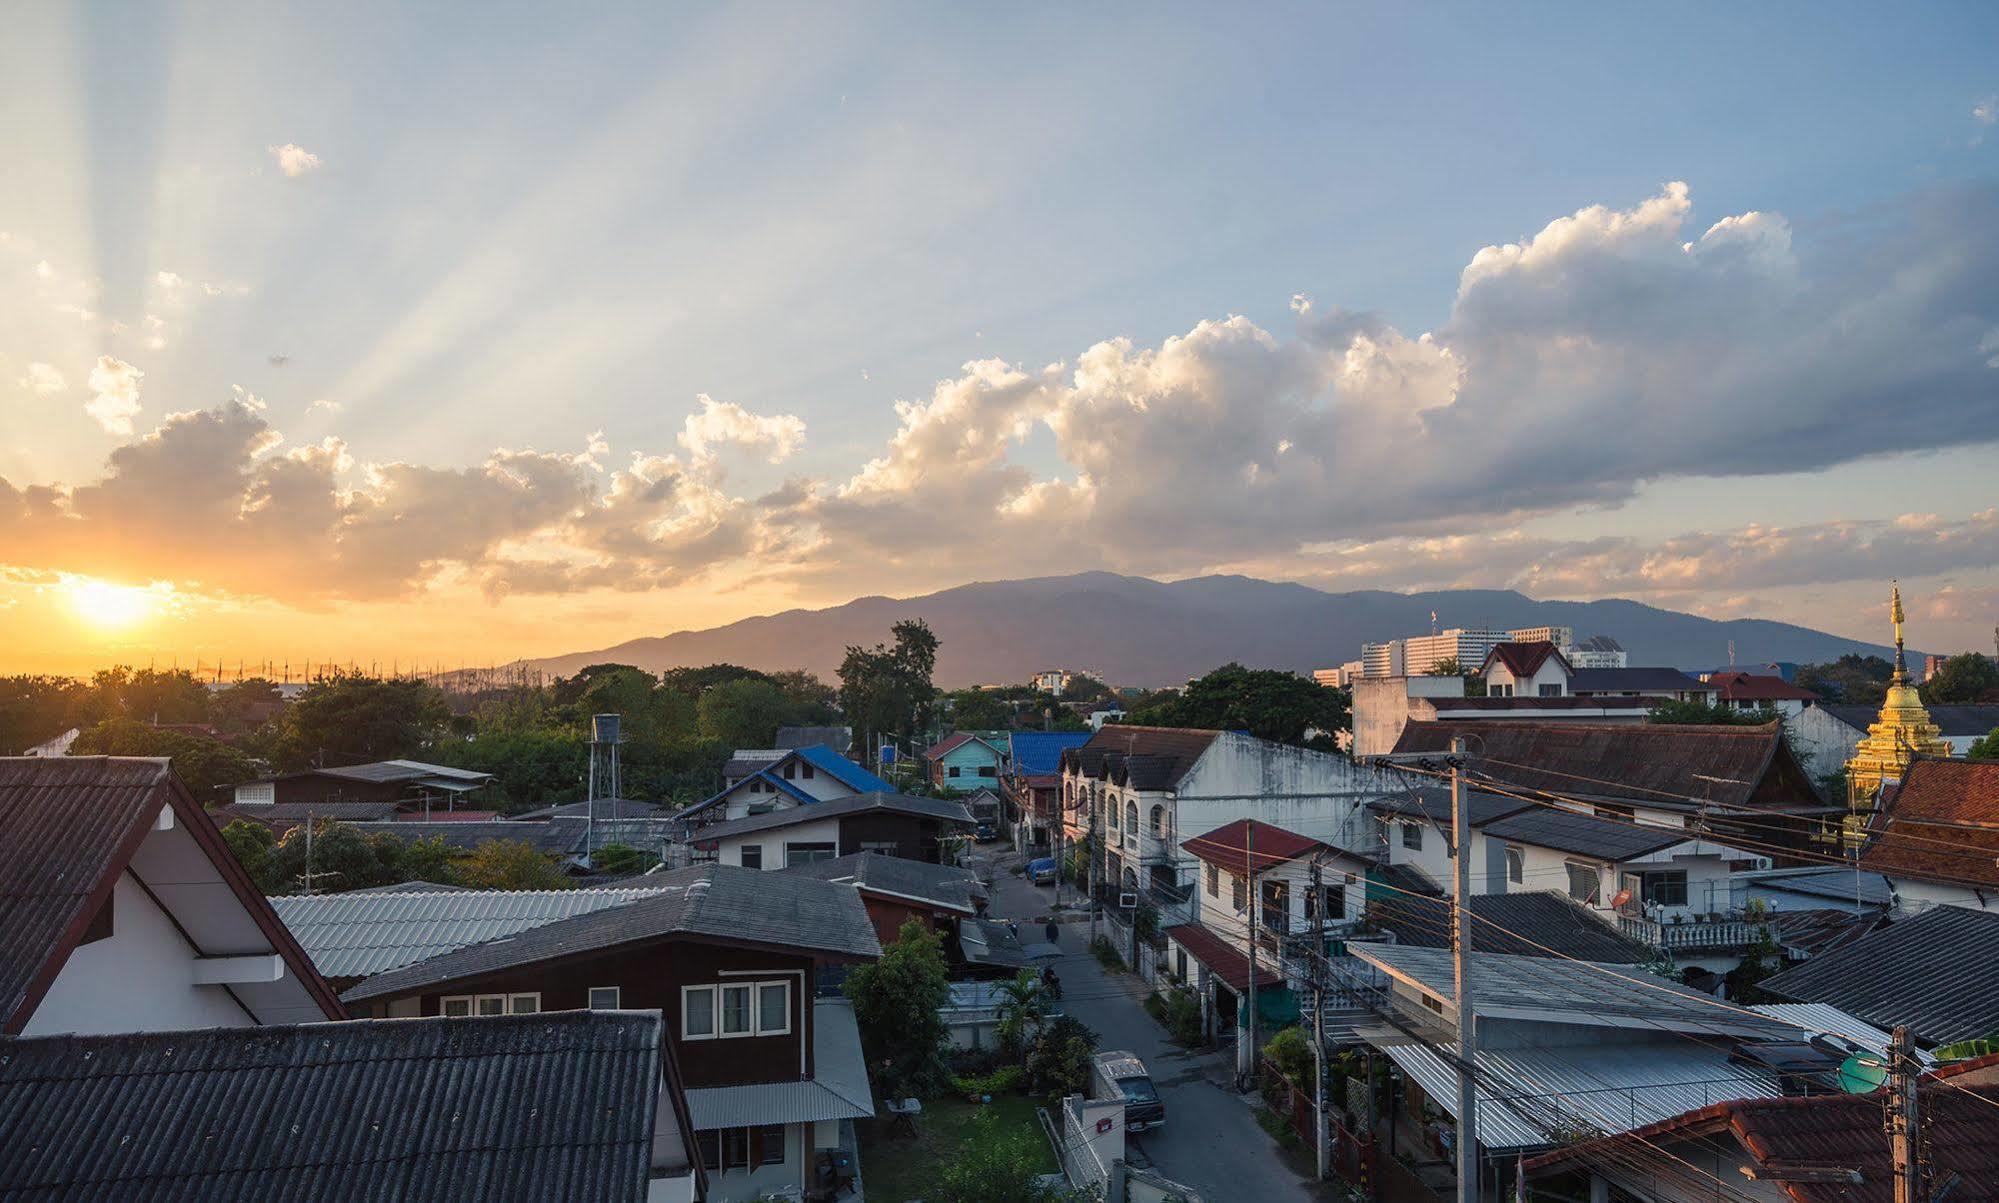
1137 631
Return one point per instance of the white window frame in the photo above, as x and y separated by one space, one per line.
715 993
617 998
509 1004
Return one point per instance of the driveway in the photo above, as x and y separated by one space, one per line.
1210 1140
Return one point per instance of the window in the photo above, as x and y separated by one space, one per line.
604 998
1238 894
1159 822
1585 884
710 1145
1333 906
1214 882
805 854
789 771
697 1012
736 1011
735 1148
1113 816
1412 836
890 847
767 1144
807 774
753 856
1499 691
491 1004
988 770
1437 1004
1551 691
1180 963
1667 887
773 1008
1516 866
728 1010
952 771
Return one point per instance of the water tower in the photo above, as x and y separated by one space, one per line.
604 738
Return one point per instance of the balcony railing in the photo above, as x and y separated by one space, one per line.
1717 932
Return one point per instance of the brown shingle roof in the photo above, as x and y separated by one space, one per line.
1739 686
1932 825
1523 660
1141 757
1230 846
1645 763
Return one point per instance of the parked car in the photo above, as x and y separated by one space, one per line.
1042 871
985 833
1121 1075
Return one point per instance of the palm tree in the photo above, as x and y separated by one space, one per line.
1022 1007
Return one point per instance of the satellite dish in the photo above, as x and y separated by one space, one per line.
1862 1074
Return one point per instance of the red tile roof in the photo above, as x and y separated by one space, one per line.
943 746
1938 821
1738 686
1229 846
1222 958
1836 1130
1523 660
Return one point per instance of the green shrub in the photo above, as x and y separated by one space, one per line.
1291 1052
1004 1080
1179 1012
1107 954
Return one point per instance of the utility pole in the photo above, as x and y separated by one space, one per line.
1318 902
1460 959
1903 1118
1090 847
1255 905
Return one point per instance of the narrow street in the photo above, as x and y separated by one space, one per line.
1211 1140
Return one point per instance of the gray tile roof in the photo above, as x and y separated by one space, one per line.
719 901
1537 924
838 1088
1434 803
285 813
1575 992
1936 974
562 835
908 804
607 808
1837 884
1591 680
555 1106
1958 721
1583 835
359 934
942 885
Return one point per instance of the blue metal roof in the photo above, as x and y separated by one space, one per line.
1039 753
784 787
842 770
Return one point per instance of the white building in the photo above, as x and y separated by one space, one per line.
125 912
1563 638
1421 654
1598 651
1383 659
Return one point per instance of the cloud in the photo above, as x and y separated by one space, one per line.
325 405
43 380
1986 111
294 160
278 361
116 403
1612 347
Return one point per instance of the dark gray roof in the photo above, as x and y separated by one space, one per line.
403 770
607 808
1936 973
1584 835
1537 924
562 835
1828 881
1959 721
943 885
555 1106
719 901
837 738
288 813
1434 803
812 812
1610 680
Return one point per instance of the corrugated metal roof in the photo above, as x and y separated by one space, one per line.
1841 885
1935 973
1606 1088
555 1106
1820 1017
942 885
838 1088
812 812
1039 753
729 901
1510 923
1584 835
1559 991
359 935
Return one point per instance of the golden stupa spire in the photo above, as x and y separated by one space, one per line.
1901 733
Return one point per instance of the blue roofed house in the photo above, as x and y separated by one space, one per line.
1032 787
797 777
965 761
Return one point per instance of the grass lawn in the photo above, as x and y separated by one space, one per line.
895 1169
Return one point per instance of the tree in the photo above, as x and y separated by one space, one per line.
1450 667
1985 747
35 709
979 710
1059 1062
1022 1007
693 682
1963 681
244 706
744 713
1083 687
1269 704
620 860
530 768
338 858
995 1165
203 764
886 690
1745 980
896 1001
510 865
350 719
152 695
1672 712
251 843
1854 679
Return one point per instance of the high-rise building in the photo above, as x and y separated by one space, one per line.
1563 638
1381 659
1468 646
1598 651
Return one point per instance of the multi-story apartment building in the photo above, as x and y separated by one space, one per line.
1381 659
1562 637
1469 646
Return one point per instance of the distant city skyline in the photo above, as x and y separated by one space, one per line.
381 335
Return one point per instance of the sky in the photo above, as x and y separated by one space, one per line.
420 337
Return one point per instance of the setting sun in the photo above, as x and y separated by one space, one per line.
103 604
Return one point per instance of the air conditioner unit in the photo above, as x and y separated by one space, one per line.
1127 900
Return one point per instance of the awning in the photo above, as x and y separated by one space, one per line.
838 1089
1222 958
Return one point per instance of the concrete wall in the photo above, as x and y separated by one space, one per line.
823 831
138 979
1382 706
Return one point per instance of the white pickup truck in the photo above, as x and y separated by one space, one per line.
1121 1075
